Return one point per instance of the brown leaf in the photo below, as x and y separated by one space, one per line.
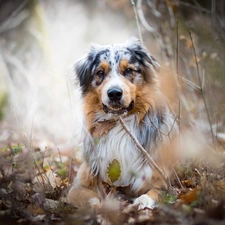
102 127
190 196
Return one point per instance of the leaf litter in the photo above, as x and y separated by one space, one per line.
33 190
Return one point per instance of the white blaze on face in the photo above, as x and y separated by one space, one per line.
114 80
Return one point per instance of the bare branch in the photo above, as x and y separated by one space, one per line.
201 86
11 22
208 50
143 20
177 71
191 84
195 7
144 152
137 20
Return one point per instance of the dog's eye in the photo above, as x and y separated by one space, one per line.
128 71
99 76
100 73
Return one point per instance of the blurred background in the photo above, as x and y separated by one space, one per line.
39 43
41 39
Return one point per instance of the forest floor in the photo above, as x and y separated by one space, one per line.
34 184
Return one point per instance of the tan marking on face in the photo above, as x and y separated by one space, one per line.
147 97
124 64
92 104
105 66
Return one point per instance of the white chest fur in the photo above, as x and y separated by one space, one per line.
118 145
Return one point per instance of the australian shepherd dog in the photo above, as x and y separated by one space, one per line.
121 81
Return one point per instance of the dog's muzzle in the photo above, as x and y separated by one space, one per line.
115 106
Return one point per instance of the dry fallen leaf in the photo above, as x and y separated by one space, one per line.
190 196
102 127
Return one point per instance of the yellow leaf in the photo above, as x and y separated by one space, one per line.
114 170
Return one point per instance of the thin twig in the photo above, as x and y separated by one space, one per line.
137 20
208 50
214 94
178 179
195 7
144 152
200 84
174 122
191 84
179 83
16 18
178 77
142 18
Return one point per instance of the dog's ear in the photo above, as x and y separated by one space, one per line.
141 53
84 67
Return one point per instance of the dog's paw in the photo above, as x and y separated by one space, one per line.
144 201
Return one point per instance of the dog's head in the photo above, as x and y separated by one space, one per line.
113 77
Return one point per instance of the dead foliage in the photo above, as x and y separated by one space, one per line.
33 187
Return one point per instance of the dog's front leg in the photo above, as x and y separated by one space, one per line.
82 197
83 191
149 200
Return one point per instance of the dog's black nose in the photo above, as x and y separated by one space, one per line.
115 94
